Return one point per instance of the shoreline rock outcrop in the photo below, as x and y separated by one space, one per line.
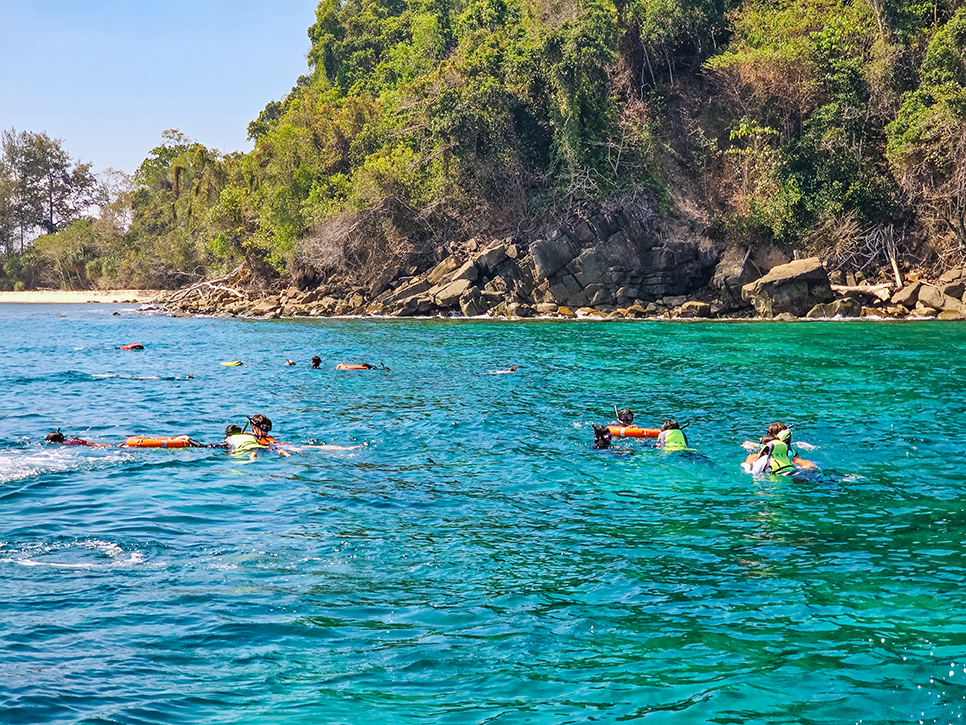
602 264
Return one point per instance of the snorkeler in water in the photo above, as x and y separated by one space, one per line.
672 438
58 437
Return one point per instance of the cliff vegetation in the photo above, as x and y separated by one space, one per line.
830 127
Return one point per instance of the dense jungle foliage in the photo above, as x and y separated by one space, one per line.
827 126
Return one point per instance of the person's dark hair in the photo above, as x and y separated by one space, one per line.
232 430
316 361
602 437
625 416
670 425
55 437
261 421
775 428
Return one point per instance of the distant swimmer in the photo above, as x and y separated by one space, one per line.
58 437
511 369
672 438
289 362
316 361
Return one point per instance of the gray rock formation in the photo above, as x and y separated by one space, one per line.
606 258
844 307
793 288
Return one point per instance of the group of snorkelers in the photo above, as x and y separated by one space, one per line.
236 440
670 437
772 454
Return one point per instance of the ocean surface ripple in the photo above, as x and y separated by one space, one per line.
471 559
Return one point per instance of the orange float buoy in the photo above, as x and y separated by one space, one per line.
632 431
145 442
133 346
342 366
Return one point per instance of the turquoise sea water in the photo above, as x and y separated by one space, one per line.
475 561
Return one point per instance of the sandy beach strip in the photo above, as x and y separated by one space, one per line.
72 297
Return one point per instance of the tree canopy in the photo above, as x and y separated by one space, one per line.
420 122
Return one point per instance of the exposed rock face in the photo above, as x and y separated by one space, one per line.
794 288
606 258
603 264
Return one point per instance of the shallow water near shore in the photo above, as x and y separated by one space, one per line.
475 560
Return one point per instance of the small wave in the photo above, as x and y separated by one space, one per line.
19 464
85 554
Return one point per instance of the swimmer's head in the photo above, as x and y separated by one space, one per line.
625 416
232 430
55 437
261 422
670 425
602 436
316 361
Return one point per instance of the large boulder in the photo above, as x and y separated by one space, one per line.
490 259
793 288
933 297
738 267
845 307
908 295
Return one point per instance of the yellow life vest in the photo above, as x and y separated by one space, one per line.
673 439
785 437
243 442
778 460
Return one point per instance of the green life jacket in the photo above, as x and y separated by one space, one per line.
243 442
786 437
778 459
674 440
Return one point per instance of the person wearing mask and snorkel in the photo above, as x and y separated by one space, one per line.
672 438
238 441
773 457
784 433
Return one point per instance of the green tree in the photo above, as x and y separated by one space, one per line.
927 141
45 188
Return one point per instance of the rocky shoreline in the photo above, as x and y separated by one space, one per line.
608 264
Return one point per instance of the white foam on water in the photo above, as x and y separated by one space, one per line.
19 464
74 555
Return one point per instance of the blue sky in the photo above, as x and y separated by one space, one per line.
108 77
